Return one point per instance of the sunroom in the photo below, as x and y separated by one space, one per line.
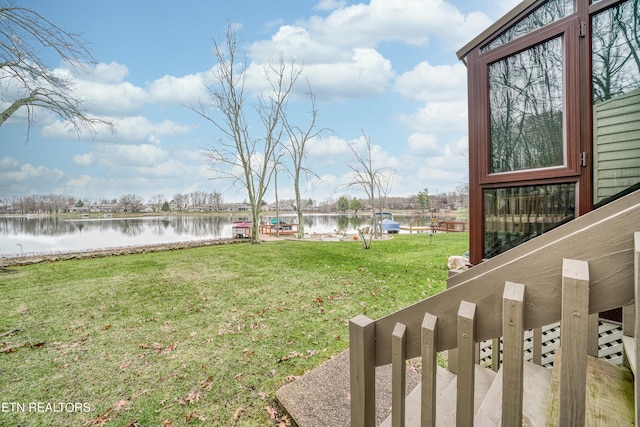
554 117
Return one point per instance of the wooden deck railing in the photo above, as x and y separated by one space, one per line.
569 275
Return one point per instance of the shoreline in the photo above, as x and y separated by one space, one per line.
35 258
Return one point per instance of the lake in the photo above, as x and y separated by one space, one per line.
49 234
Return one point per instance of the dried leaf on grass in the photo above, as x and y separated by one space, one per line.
121 405
192 397
195 415
100 420
280 420
239 411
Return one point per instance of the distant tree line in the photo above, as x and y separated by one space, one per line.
213 201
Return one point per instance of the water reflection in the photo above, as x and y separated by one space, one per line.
53 234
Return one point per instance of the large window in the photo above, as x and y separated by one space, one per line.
517 214
616 99
526 109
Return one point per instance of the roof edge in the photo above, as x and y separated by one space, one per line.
495 28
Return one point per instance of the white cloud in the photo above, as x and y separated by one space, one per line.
330 4
22 179
135 129
428 82
103 90
409 21
84 159
331 147
425 145
181 90
438 117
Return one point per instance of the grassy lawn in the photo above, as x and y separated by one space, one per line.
194 337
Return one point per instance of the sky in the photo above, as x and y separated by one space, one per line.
383 68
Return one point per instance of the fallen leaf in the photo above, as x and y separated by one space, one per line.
238 412
194 415
106 327
157 346
100 420
121 405
143 345
273 412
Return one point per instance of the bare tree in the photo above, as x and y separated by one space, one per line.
130 203
246 159
25 81
367 178
298 139
157 200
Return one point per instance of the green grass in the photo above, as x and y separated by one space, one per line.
195 337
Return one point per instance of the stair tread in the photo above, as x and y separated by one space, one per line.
536 389
446 397
608 386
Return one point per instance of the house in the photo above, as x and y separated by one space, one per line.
554 150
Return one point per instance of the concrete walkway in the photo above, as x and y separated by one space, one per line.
321 397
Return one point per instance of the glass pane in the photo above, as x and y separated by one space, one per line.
546 14
526 109
616 99
514 215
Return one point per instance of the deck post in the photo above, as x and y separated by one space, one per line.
398 374
574 329
513 348
362 367
466 364
429 371
636 282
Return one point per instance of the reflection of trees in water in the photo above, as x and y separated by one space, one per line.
48 226
194 226
188 226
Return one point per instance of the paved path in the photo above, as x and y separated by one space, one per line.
320 398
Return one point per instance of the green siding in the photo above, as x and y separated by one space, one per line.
616 163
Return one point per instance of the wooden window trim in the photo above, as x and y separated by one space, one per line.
566 28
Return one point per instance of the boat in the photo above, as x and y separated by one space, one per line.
387 224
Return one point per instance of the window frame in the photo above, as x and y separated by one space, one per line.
567 28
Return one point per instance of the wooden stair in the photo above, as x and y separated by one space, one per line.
446 389
609 400
610 394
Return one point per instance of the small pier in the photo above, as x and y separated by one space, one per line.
442 226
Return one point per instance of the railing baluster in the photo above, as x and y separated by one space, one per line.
429 371
362 366
537 346
593 335
398 374
513 348
495 354
636 280
466 365
574 327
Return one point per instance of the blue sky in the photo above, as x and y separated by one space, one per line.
385 67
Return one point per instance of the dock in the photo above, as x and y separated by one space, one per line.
442 226
280 229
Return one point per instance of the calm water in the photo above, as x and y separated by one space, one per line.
21 235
